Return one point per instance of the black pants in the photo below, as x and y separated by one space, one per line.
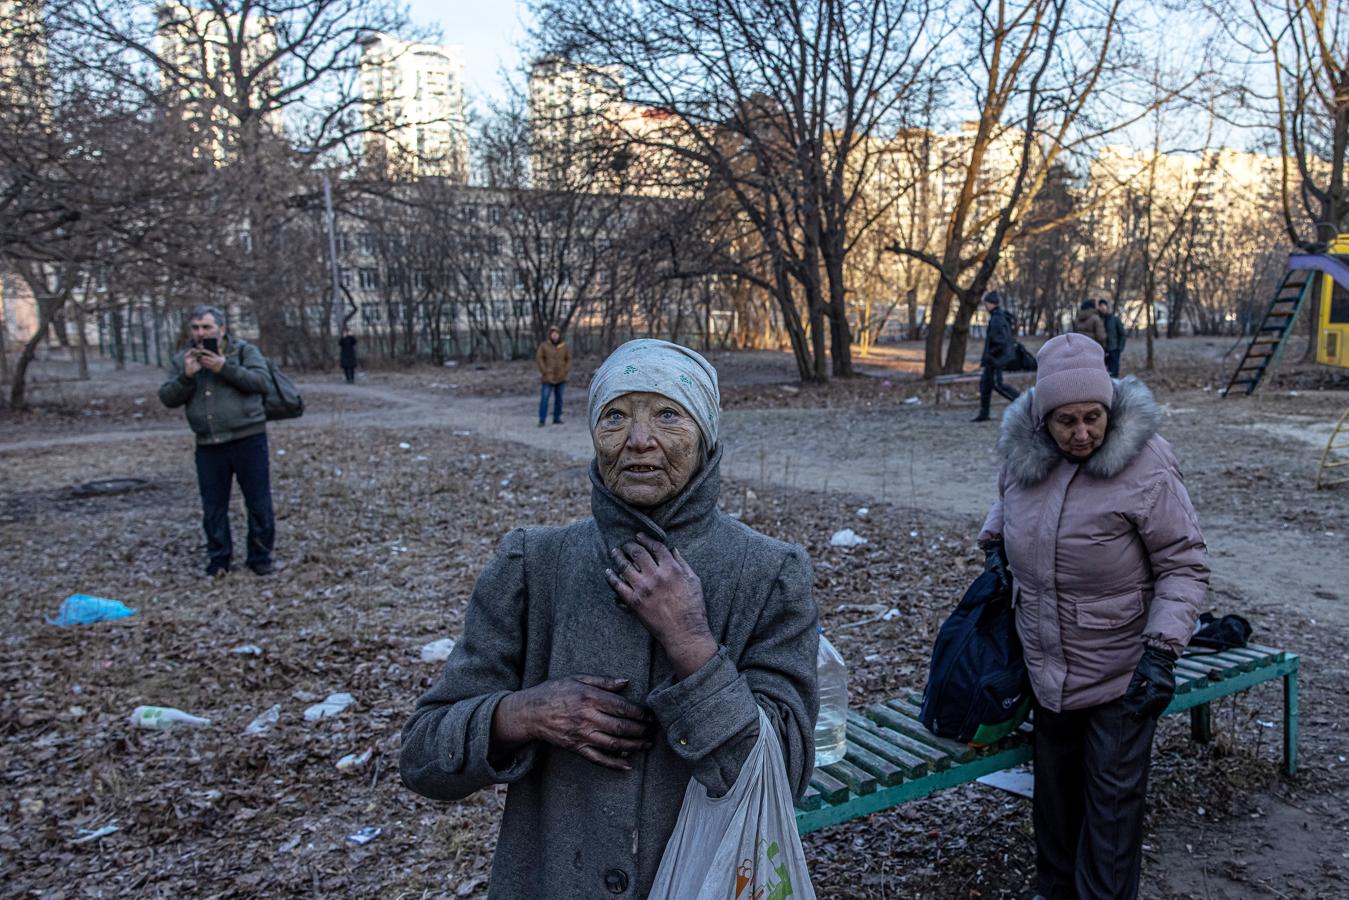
1112 362
217 465
350 372
991 381
1091 782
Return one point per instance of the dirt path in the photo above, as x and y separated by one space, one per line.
928 458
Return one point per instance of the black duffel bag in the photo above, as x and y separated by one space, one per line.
978 690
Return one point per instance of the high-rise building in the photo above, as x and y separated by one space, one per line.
23 53
414 107
571 106
198 47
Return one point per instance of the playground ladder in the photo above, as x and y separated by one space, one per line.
1336 455
1267 342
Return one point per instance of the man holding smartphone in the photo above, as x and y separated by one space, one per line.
222 380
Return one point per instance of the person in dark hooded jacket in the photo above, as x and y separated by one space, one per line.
999 352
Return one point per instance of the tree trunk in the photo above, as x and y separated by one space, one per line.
18 398
936 329
81 344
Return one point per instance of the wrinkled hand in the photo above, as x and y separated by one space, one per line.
191 365
581 713
213 361
1153 684
666 595
995 561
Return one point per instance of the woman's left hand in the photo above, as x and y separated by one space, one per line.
664 592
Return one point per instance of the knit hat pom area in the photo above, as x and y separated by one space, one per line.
1071 369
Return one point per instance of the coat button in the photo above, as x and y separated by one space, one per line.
683 742
616 880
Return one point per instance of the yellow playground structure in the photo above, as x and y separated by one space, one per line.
1306 274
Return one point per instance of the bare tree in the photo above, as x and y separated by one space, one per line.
1049 79
776 100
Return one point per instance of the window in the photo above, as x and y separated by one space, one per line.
344 276
370 313
366 241
369 279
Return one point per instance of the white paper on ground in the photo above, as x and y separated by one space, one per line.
1019 781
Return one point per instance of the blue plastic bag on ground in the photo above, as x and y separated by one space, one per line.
82 609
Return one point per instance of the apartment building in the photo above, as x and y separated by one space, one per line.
199 49
414 108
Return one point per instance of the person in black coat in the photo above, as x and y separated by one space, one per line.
999 352
347 354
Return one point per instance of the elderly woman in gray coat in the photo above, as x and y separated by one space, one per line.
605 663
1109 568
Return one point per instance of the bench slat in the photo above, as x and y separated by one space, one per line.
1234 661
1208 672
831 790
907 724
1254 655
810 799
862 731
886 772
934 758
858 780
900 730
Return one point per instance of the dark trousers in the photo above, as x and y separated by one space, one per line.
350 372
1091 782
1112 362
990 381
556 391
217 465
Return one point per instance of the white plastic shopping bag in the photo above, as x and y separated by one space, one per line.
742 846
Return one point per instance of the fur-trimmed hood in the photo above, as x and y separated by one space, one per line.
1029 453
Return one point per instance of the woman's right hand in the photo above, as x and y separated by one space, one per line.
581 713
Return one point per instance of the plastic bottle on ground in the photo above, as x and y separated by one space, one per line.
832 725
162 718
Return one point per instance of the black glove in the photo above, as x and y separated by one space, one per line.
995 561
1153 684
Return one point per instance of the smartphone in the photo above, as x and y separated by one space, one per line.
211 344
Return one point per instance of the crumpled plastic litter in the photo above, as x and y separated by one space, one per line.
847 538
264 721
353 761
82 609
438 651
333 705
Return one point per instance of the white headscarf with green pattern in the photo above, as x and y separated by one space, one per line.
660 367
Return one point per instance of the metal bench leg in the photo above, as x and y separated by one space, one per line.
1290 723
1201 723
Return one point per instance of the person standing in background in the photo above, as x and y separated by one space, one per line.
1115 337
347 354
1088 321
554 361
999 351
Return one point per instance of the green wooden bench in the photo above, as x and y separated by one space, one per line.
892 759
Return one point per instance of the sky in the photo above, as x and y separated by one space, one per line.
489 31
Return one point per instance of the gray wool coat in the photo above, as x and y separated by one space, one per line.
542 609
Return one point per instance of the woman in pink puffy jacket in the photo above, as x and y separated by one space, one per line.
1108 570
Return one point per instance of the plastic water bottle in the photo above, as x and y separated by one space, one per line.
832 725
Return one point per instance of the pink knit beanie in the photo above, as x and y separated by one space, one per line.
1071 369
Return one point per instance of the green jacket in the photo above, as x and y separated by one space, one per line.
223 407
1115 335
